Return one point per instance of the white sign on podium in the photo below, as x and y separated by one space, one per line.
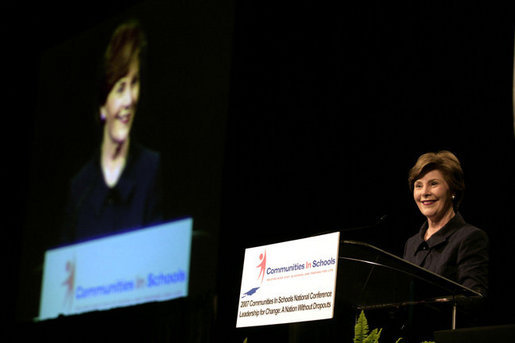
289 282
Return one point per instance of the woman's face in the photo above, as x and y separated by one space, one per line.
432 195
120 106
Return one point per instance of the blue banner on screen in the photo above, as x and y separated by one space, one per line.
132 268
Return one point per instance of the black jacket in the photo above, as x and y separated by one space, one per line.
96 210
458 251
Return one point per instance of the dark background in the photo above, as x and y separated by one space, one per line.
327 107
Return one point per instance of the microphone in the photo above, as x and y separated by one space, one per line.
379 222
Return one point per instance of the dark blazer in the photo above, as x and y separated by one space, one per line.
95 210
458 251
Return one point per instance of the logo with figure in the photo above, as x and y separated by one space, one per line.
262 266
69 283
262 269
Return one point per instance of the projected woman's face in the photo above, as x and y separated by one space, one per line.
120 106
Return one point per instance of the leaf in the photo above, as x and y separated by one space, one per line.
373 337
361 329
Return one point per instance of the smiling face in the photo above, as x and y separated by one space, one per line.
120 106
433 195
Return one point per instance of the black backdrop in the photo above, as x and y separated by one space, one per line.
329 106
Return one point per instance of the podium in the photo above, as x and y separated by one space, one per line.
371 278
366 278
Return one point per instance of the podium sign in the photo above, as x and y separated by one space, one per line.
289 282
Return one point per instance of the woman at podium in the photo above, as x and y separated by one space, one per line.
446 244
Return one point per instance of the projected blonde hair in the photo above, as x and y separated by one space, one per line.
124 47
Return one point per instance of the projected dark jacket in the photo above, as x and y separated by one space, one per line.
458 251
95 210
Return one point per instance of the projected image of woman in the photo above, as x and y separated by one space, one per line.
446 244
119 188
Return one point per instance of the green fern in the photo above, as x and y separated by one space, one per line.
373 337
362 334
361 331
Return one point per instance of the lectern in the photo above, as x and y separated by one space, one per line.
371 278
286 283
